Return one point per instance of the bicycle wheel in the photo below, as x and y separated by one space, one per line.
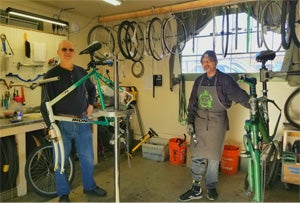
294 22
270 156
105 37
268 32
155 39
135 42
285 25
291 108
174 35
123 38
39 171
225 33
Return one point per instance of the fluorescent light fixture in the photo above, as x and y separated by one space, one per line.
25 14
113 2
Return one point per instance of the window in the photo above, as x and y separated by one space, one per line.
239 59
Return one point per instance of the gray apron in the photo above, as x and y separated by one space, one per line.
211 124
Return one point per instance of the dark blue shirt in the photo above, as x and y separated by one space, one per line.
76 102
227 88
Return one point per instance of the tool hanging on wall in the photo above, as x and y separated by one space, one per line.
29 80
27 46
4 40
28 65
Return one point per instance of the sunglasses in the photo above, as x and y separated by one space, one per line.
66 49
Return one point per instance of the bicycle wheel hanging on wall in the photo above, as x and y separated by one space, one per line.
294 23
174 34
123 37
155 39
270 24
285 25
104 35
291 108
225 31
135 41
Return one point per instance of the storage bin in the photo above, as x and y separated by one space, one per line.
230 160
156 149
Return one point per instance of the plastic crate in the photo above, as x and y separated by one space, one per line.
156 149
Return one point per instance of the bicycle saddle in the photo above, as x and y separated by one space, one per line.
264 56
94 46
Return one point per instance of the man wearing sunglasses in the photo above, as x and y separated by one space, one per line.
77 104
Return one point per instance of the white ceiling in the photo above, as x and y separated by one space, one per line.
92 8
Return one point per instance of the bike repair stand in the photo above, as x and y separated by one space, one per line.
117 114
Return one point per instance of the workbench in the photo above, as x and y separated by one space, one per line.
30 122
290 171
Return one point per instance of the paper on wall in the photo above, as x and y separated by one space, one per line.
39 52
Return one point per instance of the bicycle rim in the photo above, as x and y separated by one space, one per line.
285 25
270 157
291 108
105 37
174 35
135 42
294 24
155 38
123 38
225 33
272 28
39 171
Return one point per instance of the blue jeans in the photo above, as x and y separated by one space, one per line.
82 135
207 167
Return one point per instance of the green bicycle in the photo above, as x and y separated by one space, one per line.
262 150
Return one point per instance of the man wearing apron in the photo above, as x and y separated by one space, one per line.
211 96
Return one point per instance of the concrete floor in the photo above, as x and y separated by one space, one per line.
151 181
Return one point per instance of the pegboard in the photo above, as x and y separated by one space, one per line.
43 47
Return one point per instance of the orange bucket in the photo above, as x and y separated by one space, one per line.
177 149
230 160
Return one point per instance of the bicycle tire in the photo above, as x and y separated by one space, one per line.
145 27
174 35
135 44
155 39
292 20
104 35
262 22
39 171
285 32
291 108
9 163
258 32
270 153
123 37
225 16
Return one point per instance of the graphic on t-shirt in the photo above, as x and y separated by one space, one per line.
205 100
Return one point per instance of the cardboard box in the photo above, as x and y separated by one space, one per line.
156 149
291 173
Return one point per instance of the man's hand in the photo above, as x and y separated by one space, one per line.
89 110
190 129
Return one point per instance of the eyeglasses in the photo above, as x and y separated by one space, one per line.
66 49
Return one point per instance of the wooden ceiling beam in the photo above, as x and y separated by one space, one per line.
171 9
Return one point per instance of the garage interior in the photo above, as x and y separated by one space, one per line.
161 85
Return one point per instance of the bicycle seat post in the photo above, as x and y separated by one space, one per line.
263 57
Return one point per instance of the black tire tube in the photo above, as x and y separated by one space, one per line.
285 40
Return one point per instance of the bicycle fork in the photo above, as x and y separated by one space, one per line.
254 171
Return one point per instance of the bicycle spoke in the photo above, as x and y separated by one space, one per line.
103 35
155 39
174 35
